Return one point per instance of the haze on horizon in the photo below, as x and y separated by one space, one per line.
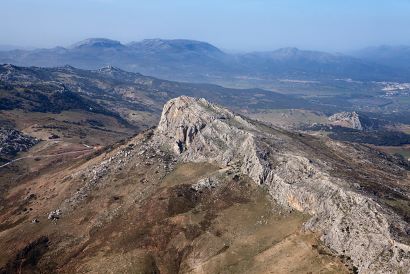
243 25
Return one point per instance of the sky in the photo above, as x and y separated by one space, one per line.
238 25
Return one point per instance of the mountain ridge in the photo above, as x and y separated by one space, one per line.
190 60
209 181
97 42
200 131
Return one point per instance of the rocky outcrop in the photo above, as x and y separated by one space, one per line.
13 142
347 119
314 176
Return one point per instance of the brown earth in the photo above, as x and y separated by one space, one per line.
146 218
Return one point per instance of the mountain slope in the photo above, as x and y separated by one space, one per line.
195 195
76 111
125 95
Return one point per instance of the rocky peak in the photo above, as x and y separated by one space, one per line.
203 132
347 119
300 175
184 117
117 73
8 67
111 70
6 70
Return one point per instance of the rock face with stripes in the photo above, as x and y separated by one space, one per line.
344 187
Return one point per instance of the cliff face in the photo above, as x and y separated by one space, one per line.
343 187
347 119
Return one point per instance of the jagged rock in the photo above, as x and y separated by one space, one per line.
13 142
352 222
206 183
54 215
347 119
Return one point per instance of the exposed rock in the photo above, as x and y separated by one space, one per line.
303 173
347 119
54 215
13 142
206 183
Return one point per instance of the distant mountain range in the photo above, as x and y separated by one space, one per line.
196 61
393 56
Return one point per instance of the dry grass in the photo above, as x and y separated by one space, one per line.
233 228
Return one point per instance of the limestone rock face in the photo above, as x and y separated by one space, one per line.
347 119
333 182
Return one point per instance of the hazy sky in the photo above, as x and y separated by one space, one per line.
334 25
